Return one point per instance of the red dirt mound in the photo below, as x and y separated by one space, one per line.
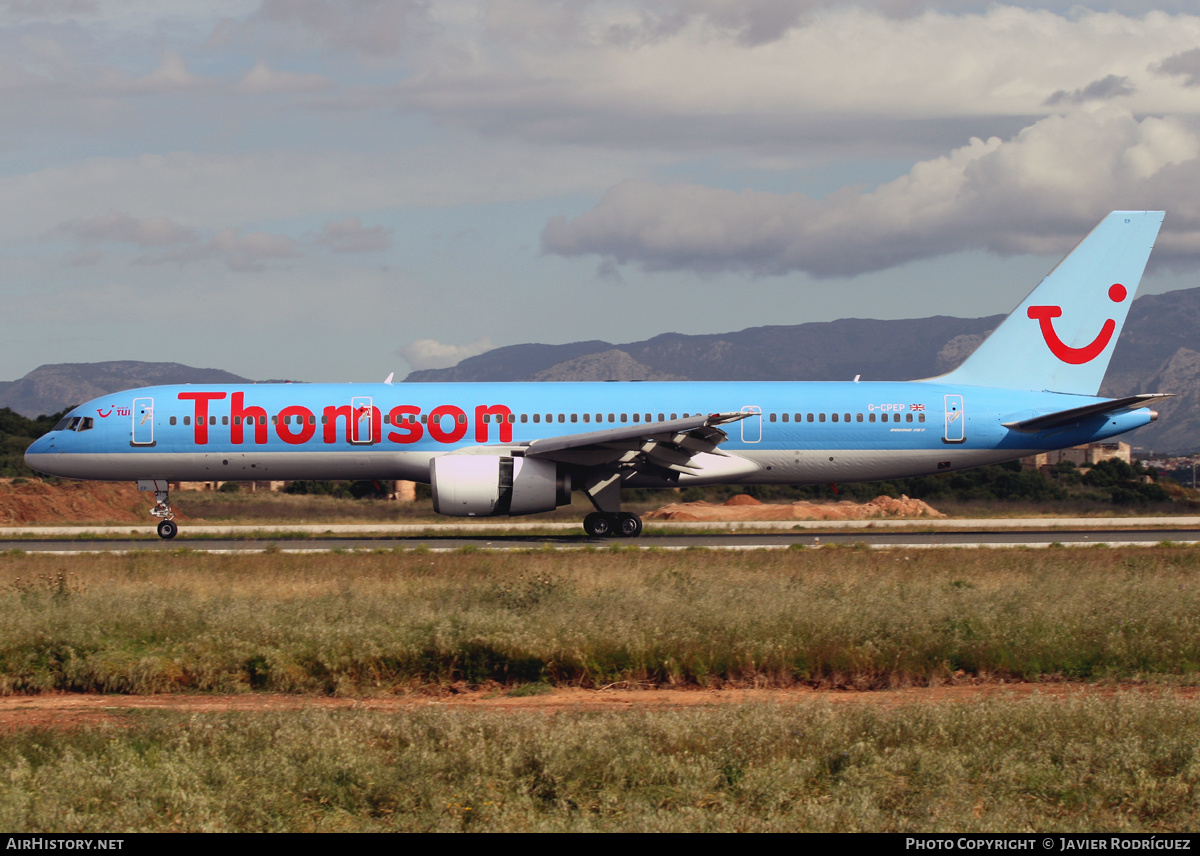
747 508
71 503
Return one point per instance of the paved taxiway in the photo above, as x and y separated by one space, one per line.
745 535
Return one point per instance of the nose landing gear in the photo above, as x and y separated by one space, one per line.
167 527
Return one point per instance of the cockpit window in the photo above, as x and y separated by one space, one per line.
85 424
62 424
74 423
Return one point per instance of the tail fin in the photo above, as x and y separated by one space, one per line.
1063 334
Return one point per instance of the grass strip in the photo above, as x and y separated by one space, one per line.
382 622
1130 762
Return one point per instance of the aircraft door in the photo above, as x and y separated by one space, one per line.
752 425
362 421
955 417
143 422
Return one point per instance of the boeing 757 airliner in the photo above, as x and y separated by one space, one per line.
494 449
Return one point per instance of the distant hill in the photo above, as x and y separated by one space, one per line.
827 350
49 389
1159 351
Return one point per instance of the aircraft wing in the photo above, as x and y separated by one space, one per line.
669 445
1077 414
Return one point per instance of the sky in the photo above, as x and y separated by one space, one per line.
333 190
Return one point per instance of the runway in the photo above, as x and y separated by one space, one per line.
992 533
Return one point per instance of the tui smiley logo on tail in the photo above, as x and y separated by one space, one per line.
1045 316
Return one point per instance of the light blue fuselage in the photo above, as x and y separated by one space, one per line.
799 432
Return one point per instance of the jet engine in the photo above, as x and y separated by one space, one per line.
494 486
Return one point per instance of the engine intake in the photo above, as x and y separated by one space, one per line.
495 486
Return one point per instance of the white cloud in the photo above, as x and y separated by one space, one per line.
558 73
262 80
431 354
217 190
1036 193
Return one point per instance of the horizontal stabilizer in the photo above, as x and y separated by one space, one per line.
1075 415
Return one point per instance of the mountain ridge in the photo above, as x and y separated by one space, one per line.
1158 351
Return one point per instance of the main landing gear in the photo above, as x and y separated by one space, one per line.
619 525
608 520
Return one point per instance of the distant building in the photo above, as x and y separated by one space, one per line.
252 486
404 491
1081 456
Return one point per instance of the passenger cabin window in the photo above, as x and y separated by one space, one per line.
172 420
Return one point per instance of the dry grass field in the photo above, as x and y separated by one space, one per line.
1116 746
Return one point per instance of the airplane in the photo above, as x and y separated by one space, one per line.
499 449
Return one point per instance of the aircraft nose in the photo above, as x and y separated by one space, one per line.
39 451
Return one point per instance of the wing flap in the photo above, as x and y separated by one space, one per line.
671 445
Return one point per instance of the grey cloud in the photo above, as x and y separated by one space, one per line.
119 227
237 252
1112 86
85 258
375 28
350 236
49 9
1186 64
1036 193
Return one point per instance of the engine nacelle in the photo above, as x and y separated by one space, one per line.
494 486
